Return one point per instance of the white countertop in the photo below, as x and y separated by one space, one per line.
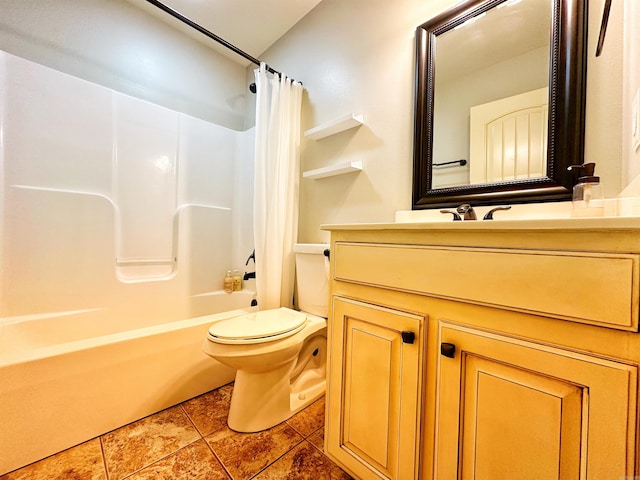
596 223
622 214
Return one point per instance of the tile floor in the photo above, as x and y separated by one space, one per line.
192 441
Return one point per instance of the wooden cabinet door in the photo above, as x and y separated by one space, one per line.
509 408
373 395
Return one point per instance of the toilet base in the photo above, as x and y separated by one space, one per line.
263 400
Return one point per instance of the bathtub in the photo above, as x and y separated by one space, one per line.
57 391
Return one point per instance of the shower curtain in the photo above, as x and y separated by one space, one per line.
276 181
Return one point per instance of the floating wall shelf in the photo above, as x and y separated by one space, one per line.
334 126
337 169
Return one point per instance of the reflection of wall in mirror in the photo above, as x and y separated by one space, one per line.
455 98
630 11
508 138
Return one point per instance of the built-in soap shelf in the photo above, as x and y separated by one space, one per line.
334 126
336 169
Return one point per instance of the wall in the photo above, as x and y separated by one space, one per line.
631 85
119 46
355 56
604 116
358 56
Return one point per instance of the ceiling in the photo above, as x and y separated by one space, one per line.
251 25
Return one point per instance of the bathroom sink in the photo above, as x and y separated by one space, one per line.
622 213
584 223
527 211
619 213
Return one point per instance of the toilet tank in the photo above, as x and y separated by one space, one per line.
312 278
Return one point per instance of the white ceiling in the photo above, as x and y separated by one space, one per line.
251 25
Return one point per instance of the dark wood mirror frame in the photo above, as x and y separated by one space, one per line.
567 95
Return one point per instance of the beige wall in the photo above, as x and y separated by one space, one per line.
604 97
355 56
358 56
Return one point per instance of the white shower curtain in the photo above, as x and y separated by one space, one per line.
275 212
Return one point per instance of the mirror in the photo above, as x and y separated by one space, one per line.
500 94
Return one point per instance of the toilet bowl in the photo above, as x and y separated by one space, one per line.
279 354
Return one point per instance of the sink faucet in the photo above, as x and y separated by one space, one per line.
464 211
467 212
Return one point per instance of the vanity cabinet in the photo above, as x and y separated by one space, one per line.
374 392
525 353
509 408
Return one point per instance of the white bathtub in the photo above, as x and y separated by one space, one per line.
56 392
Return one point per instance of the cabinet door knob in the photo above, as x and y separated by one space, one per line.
408 337
448 349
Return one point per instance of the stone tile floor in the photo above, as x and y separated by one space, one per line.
192 441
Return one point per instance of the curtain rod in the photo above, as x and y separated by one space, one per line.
209 34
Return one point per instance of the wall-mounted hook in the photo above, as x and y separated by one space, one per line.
603 27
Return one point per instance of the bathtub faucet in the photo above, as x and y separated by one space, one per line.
248 275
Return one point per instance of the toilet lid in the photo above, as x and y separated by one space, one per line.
256 327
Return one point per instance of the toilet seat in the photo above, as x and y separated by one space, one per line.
258 327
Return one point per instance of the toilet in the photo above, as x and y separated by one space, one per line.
280 354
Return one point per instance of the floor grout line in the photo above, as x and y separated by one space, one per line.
184 410
104 459
157 460
204 439
224 467
278 458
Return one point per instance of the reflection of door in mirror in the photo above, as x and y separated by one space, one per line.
499 53
508 138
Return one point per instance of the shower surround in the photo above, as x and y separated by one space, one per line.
118 221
